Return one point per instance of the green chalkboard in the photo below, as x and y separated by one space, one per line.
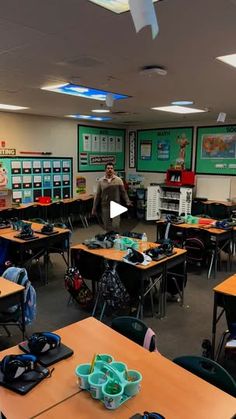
216 150
98 146
158 148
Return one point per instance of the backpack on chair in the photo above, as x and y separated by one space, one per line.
20 277
112 289
77 288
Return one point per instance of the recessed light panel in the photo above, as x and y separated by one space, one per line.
82 91
12 107
100 110
89 117
182 102
178 109
228 59
116 6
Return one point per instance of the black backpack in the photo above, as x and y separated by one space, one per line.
112 290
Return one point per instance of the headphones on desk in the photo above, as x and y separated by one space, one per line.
40 343
13 366
223 224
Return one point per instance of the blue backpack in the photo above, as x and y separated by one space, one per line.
20 276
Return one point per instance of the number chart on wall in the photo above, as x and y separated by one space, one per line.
216 150
30 178
98 146
158 149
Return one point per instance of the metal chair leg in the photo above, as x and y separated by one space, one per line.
103 309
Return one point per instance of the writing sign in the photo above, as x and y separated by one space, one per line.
102 159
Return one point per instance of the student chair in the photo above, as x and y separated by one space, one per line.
60 247
135 330
208 370
198 208
13 315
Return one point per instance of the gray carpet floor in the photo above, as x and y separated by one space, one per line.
182 330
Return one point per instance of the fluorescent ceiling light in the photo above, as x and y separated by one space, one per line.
89 117
178 109
12 107
228 59
182 102
116 6
101 110
83 91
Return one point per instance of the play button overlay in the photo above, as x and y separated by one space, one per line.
116 209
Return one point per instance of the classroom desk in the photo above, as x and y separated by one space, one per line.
166 388
217 237
42 244
82 406
21 208
227 287
151 270
10 295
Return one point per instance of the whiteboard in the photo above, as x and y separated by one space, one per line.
215 188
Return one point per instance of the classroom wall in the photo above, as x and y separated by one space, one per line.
59 136
211 186
39 133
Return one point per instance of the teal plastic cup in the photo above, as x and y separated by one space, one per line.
83 371
133 382
119 366
112 394
96 382
105 358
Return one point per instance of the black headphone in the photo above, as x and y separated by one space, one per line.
152 415
40 343
13 366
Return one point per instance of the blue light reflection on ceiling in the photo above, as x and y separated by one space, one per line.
90 117
82 91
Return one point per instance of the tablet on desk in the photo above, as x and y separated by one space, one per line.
26 382
50 357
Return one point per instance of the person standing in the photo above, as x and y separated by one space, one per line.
110 188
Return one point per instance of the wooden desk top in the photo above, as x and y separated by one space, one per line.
226 203
212 230
166 387
227 287
117 255
8 288
9 233
82 406
82 197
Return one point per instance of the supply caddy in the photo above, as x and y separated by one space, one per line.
108 380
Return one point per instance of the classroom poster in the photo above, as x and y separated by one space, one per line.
98 146
30 178
216 150
158 149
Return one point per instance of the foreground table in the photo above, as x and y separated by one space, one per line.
166 387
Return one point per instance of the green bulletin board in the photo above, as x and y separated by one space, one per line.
32 177
158 148
98 146
216 150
